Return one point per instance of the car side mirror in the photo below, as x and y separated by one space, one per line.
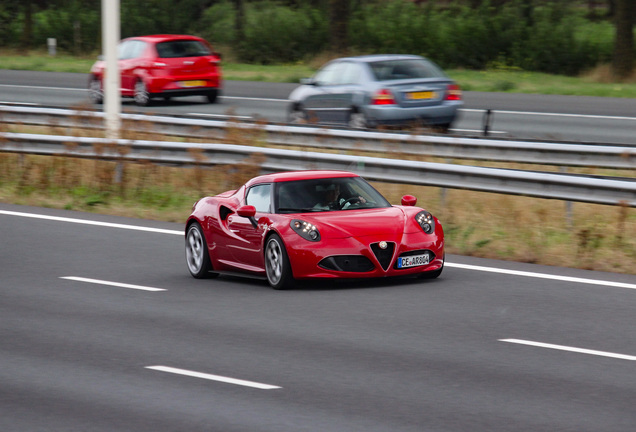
248 211
308 81
409 200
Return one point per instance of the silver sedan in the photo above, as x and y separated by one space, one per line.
375 90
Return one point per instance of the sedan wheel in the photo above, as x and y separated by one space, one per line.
297 116
95 93
357 120
277 265
197 256
142 97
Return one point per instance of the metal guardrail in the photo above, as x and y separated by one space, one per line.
542 185
448 147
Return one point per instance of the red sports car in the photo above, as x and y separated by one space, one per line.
311 224
162 66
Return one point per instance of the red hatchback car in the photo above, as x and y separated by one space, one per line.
311 225
162 66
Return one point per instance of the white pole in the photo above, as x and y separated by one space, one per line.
112 81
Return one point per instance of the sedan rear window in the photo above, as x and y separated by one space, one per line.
391 70
182 48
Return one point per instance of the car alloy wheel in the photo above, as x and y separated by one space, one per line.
142 97
95 91
277 264
197 256
357 120
297 116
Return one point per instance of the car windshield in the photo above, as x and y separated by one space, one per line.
390 70
182 48
330 194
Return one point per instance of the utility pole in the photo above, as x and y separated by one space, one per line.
112 80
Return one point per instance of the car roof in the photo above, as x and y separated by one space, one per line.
300 175
381 57
164 37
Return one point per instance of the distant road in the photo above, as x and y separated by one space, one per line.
525 116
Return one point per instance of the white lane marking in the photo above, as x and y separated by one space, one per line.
571 349
584 116
45 88
220 116
90 222
17 103
213 377
477 131
255 99
115 284
543 276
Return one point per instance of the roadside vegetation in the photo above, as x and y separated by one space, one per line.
532 230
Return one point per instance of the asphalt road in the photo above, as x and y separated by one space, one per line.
569 118
165 352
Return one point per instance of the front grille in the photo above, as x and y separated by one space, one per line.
347 263
384 256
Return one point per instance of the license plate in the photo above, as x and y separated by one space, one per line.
420 95
413 261
194 83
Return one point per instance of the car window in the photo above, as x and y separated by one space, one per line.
259 196
316 195
182 48
130 49
405 69
330 74
352 73
123 49
136 48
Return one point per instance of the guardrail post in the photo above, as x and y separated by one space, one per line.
569 214
487 119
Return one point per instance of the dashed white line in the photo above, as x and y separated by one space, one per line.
571 349
542 276
109 283
211 377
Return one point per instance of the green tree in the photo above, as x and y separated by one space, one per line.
623 61
339 12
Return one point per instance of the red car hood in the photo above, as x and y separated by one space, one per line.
356 223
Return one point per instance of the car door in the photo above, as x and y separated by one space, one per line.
246 242
350 90
323 103
130 60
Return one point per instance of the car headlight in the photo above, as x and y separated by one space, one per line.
305 230
426 221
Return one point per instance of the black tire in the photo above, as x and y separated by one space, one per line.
212 96
95 92
432 274
197 256
141 96
277 267
296 115
357 120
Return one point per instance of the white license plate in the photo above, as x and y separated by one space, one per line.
193 83
413 261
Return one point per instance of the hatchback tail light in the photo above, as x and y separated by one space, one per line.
453 93
383 97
